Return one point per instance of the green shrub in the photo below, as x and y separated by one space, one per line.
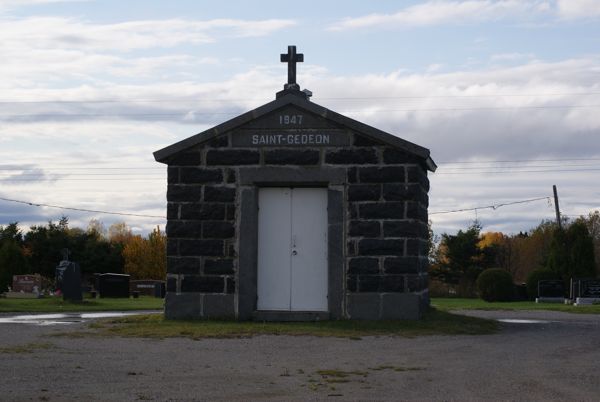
495 284
540 274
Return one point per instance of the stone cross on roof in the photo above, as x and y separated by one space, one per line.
291 58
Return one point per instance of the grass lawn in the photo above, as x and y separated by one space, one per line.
155 326
446 304
57 305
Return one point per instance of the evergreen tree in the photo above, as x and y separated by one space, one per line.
572 252
581 251
12 258
45 244
558 255
12 262
459 259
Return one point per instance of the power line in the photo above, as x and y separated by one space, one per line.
35 204
440 163
520 171
463 96
56 179
76 168
523 160
203 99
504 169
577 165
494 207
196 113
90 177
130 175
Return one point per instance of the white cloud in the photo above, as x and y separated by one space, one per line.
32 2
80 132
572 9
434 67
534 110
74 34
445 12
30 68
493 112
511 56
57 50
526 111
5 4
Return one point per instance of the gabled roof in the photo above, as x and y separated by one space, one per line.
299 100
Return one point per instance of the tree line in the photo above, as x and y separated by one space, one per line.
546 252
456 261
96 249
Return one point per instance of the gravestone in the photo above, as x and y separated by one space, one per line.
25 287
27 283
521 292
551 291
148 287
112 285
588 291
68 278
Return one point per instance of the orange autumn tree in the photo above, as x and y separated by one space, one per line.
489 239
146 258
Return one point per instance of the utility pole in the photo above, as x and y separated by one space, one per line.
556 207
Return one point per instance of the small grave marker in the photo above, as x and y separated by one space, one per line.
112 285
587 291
148 287
27 283
25 287
551 291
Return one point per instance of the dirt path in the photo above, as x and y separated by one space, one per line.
558 359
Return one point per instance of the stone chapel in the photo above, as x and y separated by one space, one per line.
292 211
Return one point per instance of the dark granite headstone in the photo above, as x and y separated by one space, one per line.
589 288
112 285
68 280
160 289
521 292
551 288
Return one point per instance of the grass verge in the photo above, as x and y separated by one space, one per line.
435 322
447 304
57 305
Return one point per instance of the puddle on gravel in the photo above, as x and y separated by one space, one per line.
65 318
521 321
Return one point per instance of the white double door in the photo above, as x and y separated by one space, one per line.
292 249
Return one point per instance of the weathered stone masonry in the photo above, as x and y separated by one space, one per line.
383 222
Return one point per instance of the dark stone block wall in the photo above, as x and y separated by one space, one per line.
201 231
386 233
385 224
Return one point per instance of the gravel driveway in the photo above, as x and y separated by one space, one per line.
556 359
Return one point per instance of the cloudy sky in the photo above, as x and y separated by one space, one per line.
505 94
